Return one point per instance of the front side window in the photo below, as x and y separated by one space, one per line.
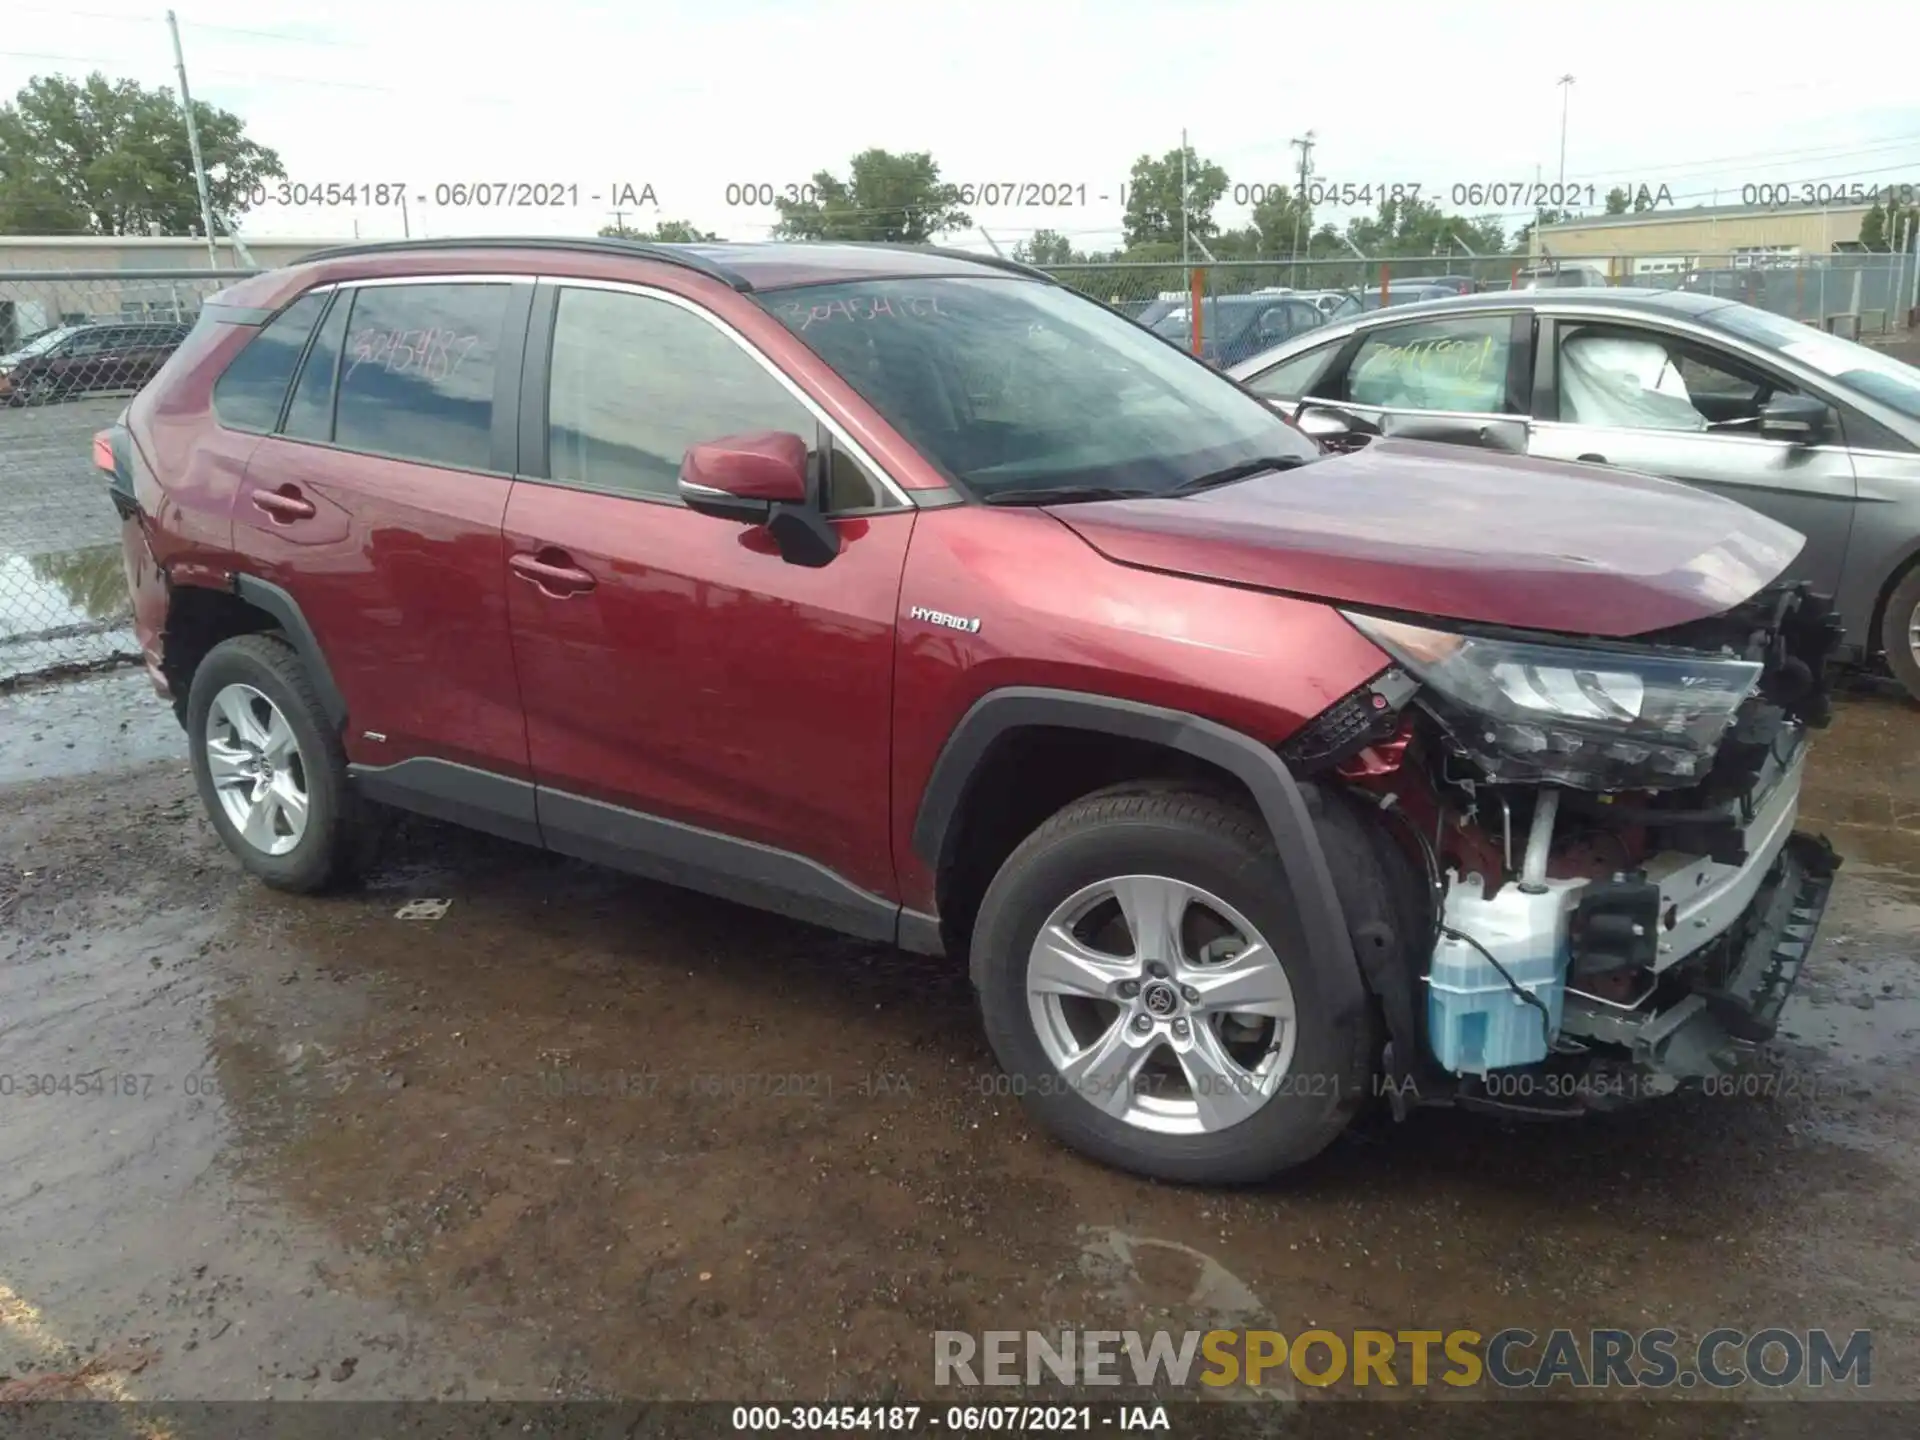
250 391
636 380
1626 378
1291 379
417 376
1873 373
1008 384
1455 364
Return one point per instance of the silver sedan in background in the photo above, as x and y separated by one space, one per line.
1820 433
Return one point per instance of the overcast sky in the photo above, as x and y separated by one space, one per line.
1704 99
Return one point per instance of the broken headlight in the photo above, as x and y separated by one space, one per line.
1569 714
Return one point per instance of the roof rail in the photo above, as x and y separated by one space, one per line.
995 262
687 256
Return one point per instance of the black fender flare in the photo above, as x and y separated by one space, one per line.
276 602
1257 766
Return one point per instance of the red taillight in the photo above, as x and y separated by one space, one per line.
103 452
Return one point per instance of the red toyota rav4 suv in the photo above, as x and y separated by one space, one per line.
912 594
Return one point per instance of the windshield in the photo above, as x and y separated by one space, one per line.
46 340
1011 384
1875 375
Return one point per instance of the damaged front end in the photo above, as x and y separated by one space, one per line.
1619 902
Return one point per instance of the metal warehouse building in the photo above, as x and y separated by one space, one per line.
1724 235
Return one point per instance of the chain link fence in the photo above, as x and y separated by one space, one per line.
74 347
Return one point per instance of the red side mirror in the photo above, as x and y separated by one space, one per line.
762 469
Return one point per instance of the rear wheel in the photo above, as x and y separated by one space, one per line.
1146 988
270 768
1900 632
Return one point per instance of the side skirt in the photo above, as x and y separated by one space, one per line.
641 844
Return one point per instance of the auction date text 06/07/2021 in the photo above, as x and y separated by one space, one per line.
386 194
1472 195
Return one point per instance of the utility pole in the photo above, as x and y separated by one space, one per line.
1304 145
1566 90
1185 253
193 140
619 219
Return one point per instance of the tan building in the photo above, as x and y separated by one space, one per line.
49 280
1703 237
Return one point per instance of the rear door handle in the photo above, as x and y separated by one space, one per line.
553 571
1592 459
283 504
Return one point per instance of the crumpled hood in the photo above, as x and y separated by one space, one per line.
1460 534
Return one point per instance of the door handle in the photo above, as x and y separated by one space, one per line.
1592 459
283 504
553 576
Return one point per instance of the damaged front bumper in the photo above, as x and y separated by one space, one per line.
1732 936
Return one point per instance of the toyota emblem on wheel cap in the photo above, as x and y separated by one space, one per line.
1161 999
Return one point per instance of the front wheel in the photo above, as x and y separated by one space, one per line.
1900 632
1146 986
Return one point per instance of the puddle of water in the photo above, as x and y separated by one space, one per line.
53 591
62 608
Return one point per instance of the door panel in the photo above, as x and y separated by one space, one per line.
703 679
401 572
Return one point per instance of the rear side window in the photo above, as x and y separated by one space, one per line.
249 393
310 415
417 375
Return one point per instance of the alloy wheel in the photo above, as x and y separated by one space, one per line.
257 769
1913 634
1160 1004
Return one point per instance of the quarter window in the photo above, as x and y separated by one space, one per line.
1291 379
417 374
1435 365
251 390
635 381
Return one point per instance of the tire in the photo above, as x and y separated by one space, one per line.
1898 632
333 840
1201 843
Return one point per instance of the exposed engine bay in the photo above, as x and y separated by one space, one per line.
1618 900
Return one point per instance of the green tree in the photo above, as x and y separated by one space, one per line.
1523 237
1046 247
1282 222
105 157
1405 228
898 198
1885 222
667 232
1153 198
1618 200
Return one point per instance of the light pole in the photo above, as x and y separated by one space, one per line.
1566 89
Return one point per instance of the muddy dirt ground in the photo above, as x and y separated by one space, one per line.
587 1136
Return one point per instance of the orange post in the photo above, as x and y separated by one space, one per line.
1513 280
1198 294
1386 283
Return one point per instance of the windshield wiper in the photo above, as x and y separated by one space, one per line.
1245 470
1061 494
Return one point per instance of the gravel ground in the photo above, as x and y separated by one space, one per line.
588 1136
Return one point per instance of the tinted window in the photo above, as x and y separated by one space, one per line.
1012 384
1458 364
635 381
850 485
416 381
249 393
1628 378
310 415
1291 379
